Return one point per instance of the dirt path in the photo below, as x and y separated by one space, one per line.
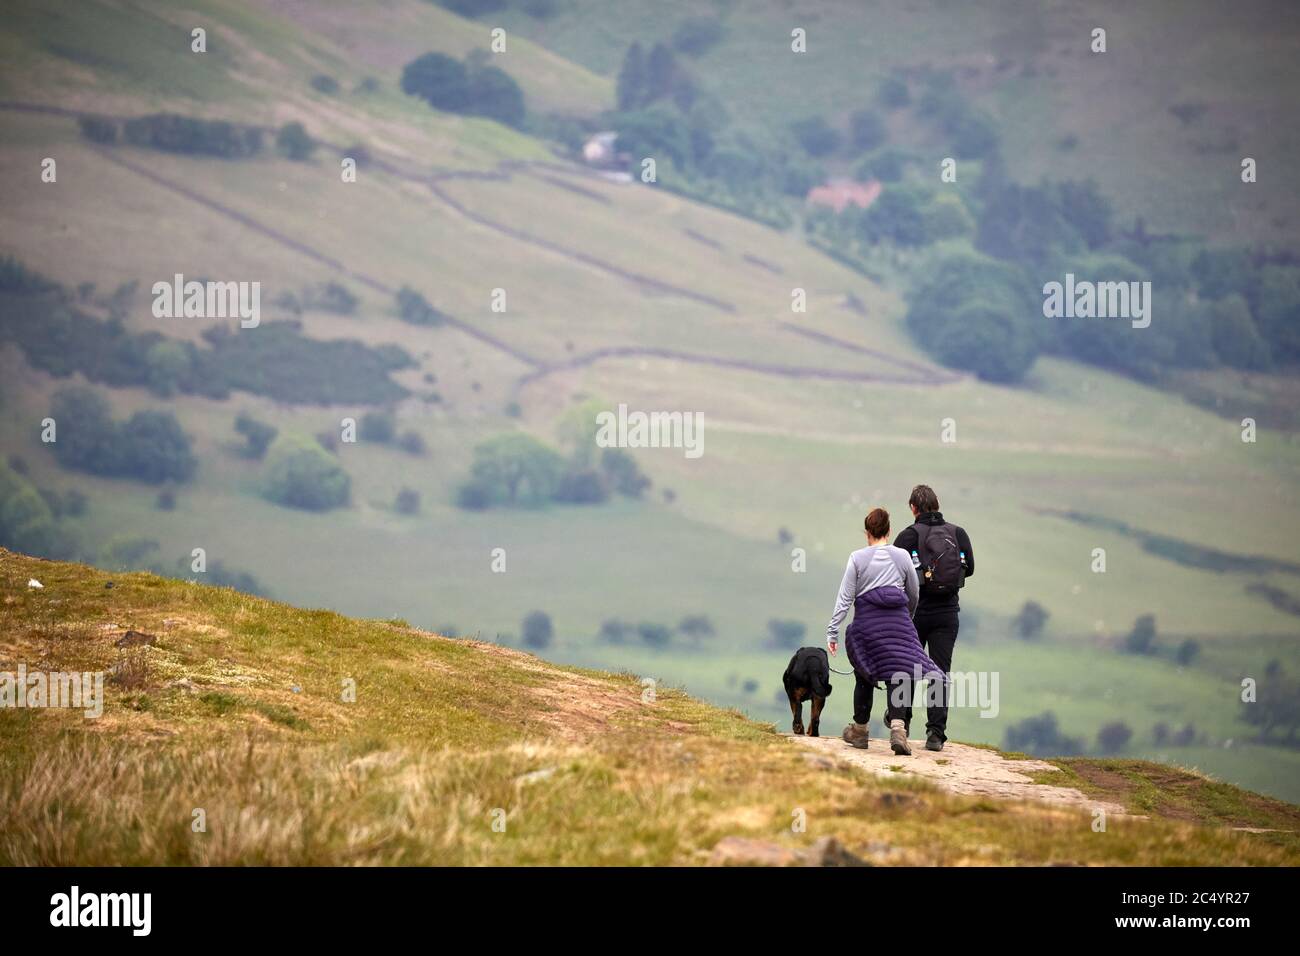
972 771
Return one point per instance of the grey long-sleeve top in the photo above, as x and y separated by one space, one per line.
880 565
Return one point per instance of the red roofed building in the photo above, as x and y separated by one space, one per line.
838 193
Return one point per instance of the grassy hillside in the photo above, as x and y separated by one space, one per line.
1029 63
238 711
810 418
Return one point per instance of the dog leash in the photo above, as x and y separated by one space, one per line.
841 673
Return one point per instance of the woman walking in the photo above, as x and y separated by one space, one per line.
880 583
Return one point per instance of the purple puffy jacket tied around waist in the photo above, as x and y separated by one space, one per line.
881 641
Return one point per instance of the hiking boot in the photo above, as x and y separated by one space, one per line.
898 739
934 741
855 735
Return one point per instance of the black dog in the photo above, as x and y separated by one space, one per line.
808 676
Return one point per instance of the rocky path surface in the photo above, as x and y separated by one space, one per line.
972 771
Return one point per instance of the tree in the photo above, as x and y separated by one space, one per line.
154 448
86 435
785 633
867 130
412 442
1025 224
294 142
170 363
799 176
299 473
378 427
514 469
1114 737
630 87
1041 736
816 136
582 486
662 75
613 630
415 309
895 217
1187 651
1221 272
946 217
98 129
974 313
1141 639
696 626
407 501
972 133
1030 621
440 80
887 165
1237 342
653 635
494 93
257 435
1086 210
27 523
1277 309
1276 709
656 131
538 631
623 473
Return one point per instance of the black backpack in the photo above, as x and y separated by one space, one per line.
942 570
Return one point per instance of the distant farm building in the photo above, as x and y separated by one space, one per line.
600 152
838 194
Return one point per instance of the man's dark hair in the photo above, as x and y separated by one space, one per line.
924 499
877 523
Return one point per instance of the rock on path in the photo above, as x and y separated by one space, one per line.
959 768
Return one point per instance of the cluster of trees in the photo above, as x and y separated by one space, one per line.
174 133
29 517
299 473
471 87
134 554
1276 708
1041 736
517 470
972 312
150 446
1141 639
661 111
329 296
1234 307
414 309
694 628
275 360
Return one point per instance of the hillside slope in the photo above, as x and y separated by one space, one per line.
237 711
618 294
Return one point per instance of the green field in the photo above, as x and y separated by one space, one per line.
589 265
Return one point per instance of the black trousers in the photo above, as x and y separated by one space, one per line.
937 630
864 690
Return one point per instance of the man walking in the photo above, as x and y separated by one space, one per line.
943 558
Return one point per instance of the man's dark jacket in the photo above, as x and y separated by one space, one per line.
907 540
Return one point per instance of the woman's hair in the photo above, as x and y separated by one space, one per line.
877 523
924 499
